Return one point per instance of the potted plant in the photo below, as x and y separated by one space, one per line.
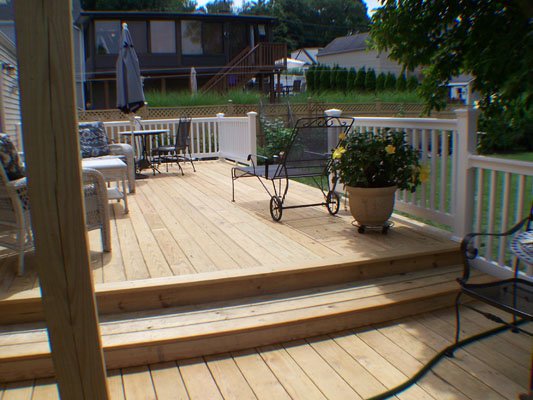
372 166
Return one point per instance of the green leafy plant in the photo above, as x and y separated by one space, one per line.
276 137
371 160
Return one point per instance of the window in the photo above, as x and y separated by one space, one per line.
199 38
213 38
162 36
107 36
262 30
138 35
191 38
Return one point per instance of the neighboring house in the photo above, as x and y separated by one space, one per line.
169 44
461 89
353 52
307 55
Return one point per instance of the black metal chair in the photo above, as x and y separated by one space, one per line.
307 154
513 295
180 151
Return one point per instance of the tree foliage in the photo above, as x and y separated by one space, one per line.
370 80
350 85
219 7
380 82
401 83
139 5
390 81
311 23
412 83
360 79
490 39
342 79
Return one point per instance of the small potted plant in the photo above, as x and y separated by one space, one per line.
372 166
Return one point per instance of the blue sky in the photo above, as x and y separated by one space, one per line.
370 4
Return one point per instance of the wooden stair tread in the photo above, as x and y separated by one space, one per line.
223 318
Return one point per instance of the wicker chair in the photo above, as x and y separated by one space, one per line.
15 221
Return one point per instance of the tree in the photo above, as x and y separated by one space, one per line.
380 82
412 83
342 79
360 79
325 80
310 78
401 83
489 39
219 7
333 77
311 23
139 5
370 80
390 81
350 85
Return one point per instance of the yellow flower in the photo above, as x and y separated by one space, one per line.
390 149
339 151
424 173
342 136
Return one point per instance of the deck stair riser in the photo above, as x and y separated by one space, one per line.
176 291
147 337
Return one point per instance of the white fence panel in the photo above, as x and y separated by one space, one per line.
503 196
434 138
237 138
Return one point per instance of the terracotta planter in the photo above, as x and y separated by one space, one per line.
371 206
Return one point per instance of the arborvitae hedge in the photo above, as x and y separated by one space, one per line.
325 83
333 78
318 71
360 79
370 80
310 79
412 83
401 83
350 85
380 82
342 79
390 82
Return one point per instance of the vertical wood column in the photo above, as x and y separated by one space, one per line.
44 36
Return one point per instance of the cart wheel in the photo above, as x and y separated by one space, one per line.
332 202
385 229
276 208
361 229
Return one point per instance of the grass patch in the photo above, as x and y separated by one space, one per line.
185 99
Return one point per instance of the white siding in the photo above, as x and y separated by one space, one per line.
10 100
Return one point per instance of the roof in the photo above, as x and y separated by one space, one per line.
308 52
346 44
85 15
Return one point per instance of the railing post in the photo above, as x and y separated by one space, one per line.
252 134
220 135
333 136
463 193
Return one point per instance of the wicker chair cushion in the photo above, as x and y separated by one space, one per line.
93 140
10 158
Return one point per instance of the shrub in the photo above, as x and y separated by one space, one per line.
401 83
390 82
380 82
325 78
333 77
310 78
350 85
360 79
370 80
342 79
276 137
412 83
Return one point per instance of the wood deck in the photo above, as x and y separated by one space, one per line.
353 364
183 225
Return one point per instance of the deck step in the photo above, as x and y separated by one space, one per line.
145 337
167 292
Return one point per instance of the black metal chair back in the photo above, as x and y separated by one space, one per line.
183 135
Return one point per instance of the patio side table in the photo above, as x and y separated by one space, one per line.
113 170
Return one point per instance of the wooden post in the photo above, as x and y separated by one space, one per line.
44 46
463 199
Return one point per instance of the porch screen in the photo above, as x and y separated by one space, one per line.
107 35
191 38
163 36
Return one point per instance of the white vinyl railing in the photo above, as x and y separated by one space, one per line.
467 192
233 138
434 138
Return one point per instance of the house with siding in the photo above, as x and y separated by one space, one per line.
353 51
307 55
225 50
9 88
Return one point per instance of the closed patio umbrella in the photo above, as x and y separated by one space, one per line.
130 95
193 82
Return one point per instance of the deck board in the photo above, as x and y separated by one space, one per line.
348 364
180 225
